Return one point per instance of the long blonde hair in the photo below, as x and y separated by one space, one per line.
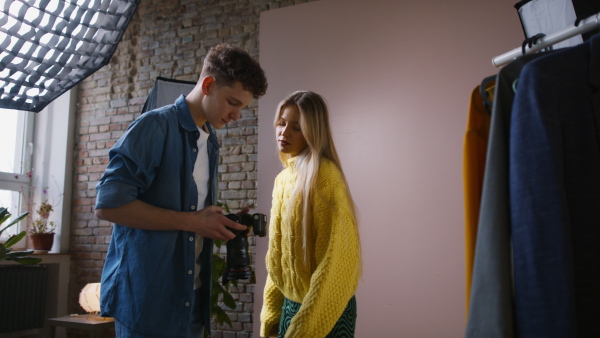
315 127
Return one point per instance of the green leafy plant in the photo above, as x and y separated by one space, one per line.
5 252
218 291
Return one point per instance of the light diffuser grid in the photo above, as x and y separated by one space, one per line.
48 46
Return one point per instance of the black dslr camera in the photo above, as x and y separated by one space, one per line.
238 258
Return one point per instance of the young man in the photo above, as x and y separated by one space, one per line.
160 189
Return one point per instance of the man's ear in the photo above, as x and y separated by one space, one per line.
207 84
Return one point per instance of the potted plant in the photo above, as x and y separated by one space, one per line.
41 231
39 228
5 251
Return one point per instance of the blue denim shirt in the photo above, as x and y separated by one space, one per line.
147 281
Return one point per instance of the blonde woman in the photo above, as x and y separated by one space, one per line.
314 259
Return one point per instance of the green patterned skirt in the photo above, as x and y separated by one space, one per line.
344 328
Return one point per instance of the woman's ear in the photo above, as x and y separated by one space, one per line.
207 84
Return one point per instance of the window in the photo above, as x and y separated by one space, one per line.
16 134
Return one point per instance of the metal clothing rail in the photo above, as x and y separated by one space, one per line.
585 25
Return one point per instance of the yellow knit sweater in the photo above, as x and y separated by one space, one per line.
324 290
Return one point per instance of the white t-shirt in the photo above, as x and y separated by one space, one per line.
201 175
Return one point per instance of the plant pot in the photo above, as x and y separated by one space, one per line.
41 242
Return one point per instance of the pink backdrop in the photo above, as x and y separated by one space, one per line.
398 76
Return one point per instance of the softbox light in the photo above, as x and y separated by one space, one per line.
48 46
165 91
549 16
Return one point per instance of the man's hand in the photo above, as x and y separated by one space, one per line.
210 222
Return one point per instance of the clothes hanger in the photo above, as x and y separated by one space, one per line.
488 85
486 89
530 42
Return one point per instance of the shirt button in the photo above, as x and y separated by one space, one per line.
187 303
193 207
191 239
190 272
195 150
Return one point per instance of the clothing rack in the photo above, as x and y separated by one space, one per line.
584 26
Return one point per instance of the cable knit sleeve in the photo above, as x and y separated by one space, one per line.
273 297
337 258
271 310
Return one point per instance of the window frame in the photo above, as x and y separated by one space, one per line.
18 181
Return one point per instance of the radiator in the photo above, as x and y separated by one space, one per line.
22 297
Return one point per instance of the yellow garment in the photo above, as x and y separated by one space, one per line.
475 150
325 290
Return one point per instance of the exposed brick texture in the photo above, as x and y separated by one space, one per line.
167 38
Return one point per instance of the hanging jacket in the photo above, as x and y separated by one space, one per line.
555 194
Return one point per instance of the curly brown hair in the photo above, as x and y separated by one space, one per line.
229 64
